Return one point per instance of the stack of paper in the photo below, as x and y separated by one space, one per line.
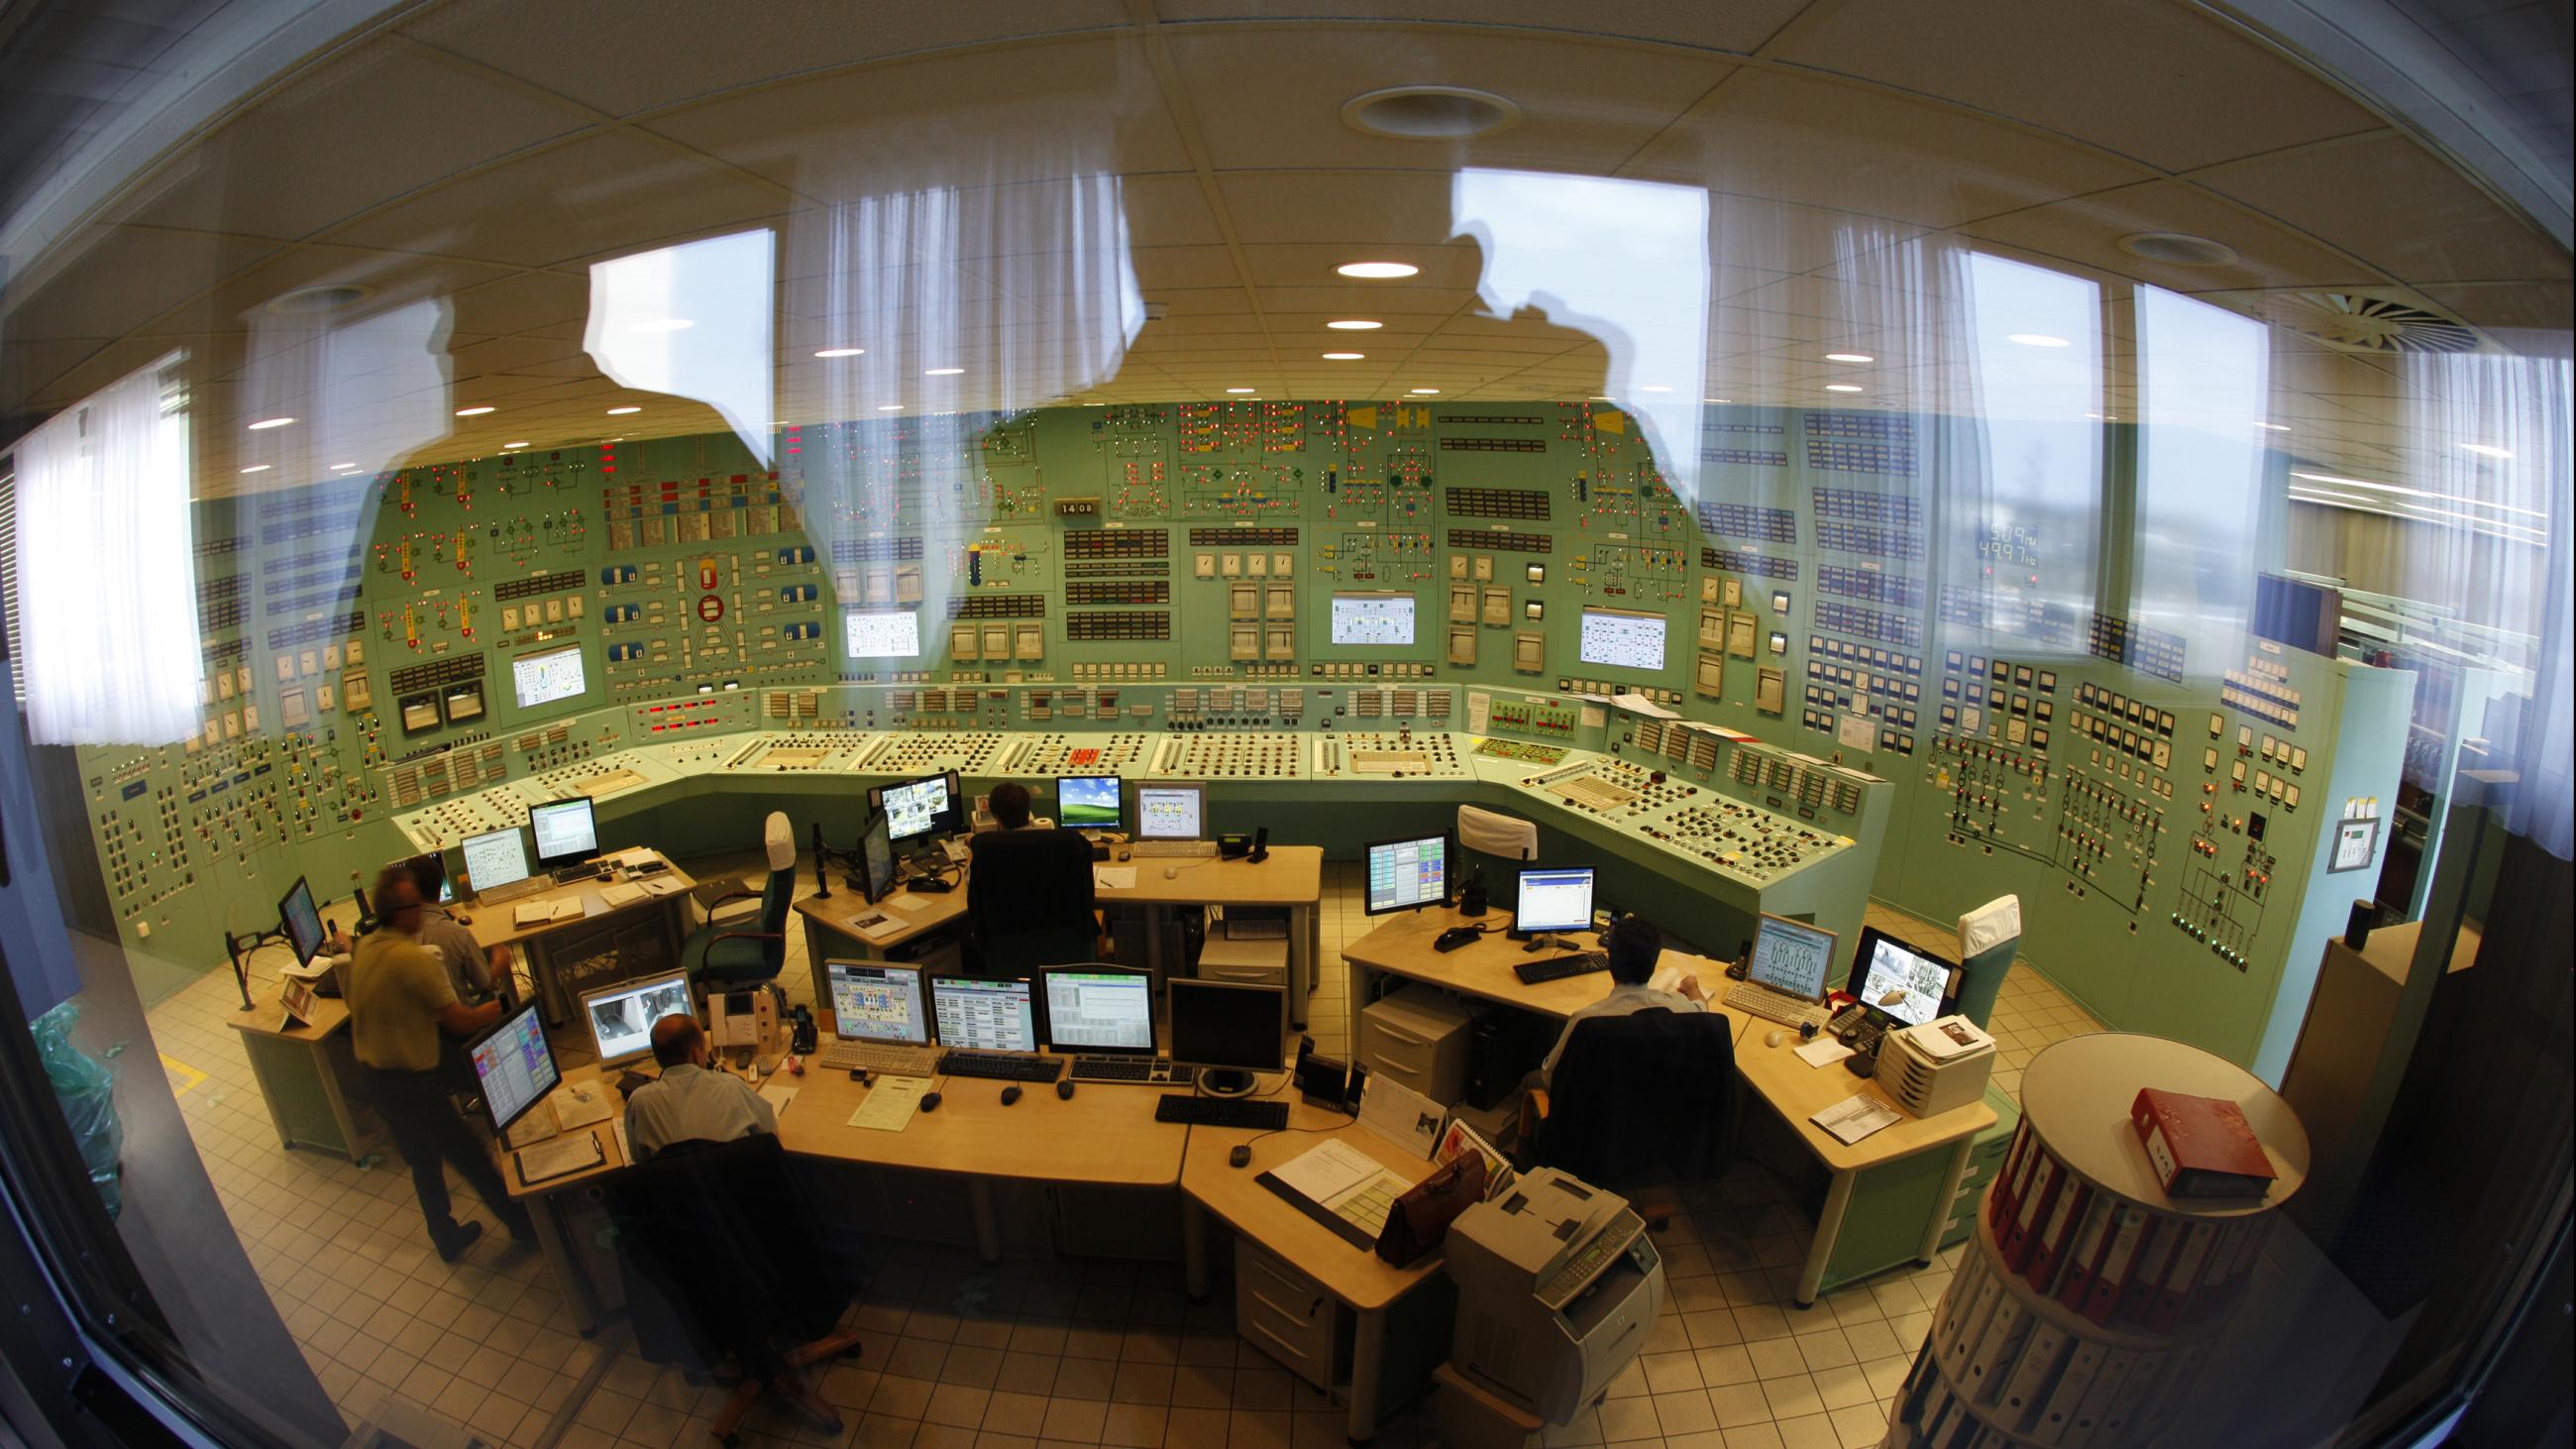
621 895
537 913
1343 1181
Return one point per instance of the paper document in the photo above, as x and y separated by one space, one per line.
1948 1037
1401 1115
878 926
664 885
625 894
905 901
890 1104
1114 877
635 855
1346 1181
1670 978
531 913
1855 1117
579 1104
625 1153
1824 1051
1457 1140
550 1160
778 1094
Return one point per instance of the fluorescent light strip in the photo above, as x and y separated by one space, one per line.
2417 493
2414 513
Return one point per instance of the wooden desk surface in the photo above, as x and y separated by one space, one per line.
330 1014
1402 947
1798 1091
611 1157
1357 1276
921 914
1292 876
1104 1135
497 925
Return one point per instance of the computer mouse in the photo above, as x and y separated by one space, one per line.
1122 855
1241 1156
929 1101
1064 1090
463 920
1010 1094
1171 872
1775 1038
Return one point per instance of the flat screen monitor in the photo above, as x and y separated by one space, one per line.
621 1017
882 633
513 1066
985 1014
1097 1009
1372 620
876 857
303 922
566 831
1621 639
927 806
1229 1030
547 676
1090 802
1554 898
878 1001
1406 875
1792 956
1897 981
1171 810
495 859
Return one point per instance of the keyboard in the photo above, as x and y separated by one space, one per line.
1141 1071
1557 968
1150 849
1755 999
877 1056
612 782
586 870
1600 795
1221 1112
503 894
1002 1066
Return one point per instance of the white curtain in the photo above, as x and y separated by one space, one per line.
107 578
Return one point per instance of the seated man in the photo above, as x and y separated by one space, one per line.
690 1103
480 974
1026 881
1633 946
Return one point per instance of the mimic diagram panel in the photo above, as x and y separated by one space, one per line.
1250 591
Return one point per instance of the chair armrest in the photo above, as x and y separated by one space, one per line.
746 936
1533 1115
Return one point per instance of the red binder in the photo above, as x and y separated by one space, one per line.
2200 1146
2020 1239
2146 1275
2075 1283
2121 1264
2182 1274
2064 1221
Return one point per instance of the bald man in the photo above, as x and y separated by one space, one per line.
690 1103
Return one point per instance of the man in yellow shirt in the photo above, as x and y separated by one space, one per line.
401 1003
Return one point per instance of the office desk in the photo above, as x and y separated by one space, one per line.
1887 1195
302 1074
1356 1277
1293 878
545 1201
497 925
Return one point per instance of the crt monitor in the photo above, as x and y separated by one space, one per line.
1101 1009
1229 1030
1089 802
1792 956
1897 982
927 806
878 1001
621 1016
1171 810
1408 874
303 922
566 831
513 1066
985 1014
876 857
494 859
1553 898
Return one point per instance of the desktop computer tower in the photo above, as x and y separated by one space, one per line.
1503 1046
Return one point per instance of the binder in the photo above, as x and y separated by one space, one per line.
1964 1307
2075 1283
2030 1377
2046 1178
2216 1281
2138 1295
2190 1257
2118 1267
2051 1243
2002 1335
2058 1412
2005 1196
1972 1324
2086 1421
2138 1391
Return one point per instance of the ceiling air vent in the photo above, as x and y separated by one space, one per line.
2377 323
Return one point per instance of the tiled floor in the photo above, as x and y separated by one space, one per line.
1031 1352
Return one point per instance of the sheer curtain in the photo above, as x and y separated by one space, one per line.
104 486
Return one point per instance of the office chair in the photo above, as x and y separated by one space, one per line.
721 1258
1029 899
1989 936
1642 1104
1488 833
722 954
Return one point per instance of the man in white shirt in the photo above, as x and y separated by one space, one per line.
690 1103
1633 946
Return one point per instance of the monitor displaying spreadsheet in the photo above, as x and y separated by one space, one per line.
1621 639
1093 1010
1792 956
566 831
874 1001
513 1066
495 859
882 633
547 676
1372 620
1557 899
1171 810
1406 874
985 1015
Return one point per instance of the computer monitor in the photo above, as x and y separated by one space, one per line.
431 867
915 808
1090 802
621 1017
876 857
985 1014
878 1001
566 831
1171 810
513 1066
1229 1030
1553 898
1896 981
1792 956
303 922
1408 874
1100 1009
495 859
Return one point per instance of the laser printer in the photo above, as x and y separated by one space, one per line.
1558 1286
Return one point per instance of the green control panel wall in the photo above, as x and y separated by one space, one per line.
379 647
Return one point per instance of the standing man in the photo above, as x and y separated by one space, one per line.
401 1005
689 1103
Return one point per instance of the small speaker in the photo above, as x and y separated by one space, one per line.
1260 846
2356 927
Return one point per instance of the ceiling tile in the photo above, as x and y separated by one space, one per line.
2087 231
2388 201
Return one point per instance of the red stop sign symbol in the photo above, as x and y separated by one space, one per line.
710 607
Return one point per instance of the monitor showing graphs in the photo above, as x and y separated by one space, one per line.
547 676
1373 620
1621 639
882 633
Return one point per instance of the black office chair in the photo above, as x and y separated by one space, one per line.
1029 899
730 954
721 1259
1642 1104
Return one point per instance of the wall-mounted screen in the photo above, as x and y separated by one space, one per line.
1373 621
1621 639
882 633
547 676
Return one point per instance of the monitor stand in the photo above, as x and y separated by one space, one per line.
1226 1082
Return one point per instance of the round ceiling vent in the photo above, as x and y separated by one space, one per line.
2375 322
2177 249
1430 113
306 301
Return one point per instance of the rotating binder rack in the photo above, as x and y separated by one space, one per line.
2086 1298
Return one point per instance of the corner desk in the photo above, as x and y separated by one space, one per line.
1888 1195
497 925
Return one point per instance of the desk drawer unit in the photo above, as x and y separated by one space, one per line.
1420 1038
1246 963
1285 1314
1983 1159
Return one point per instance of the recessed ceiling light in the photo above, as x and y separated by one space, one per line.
663 324
1424 391
1429 113
621 412
1344 356
941 371
2036 339
1096 405
264 424
1243 389
1377 271
1355 324
344 467
2274 427
1654 389
2097 417
519 444
889 407
2177 248
256 468
1840 387
2486 450
1716 399
474 412
840 352
1849 357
